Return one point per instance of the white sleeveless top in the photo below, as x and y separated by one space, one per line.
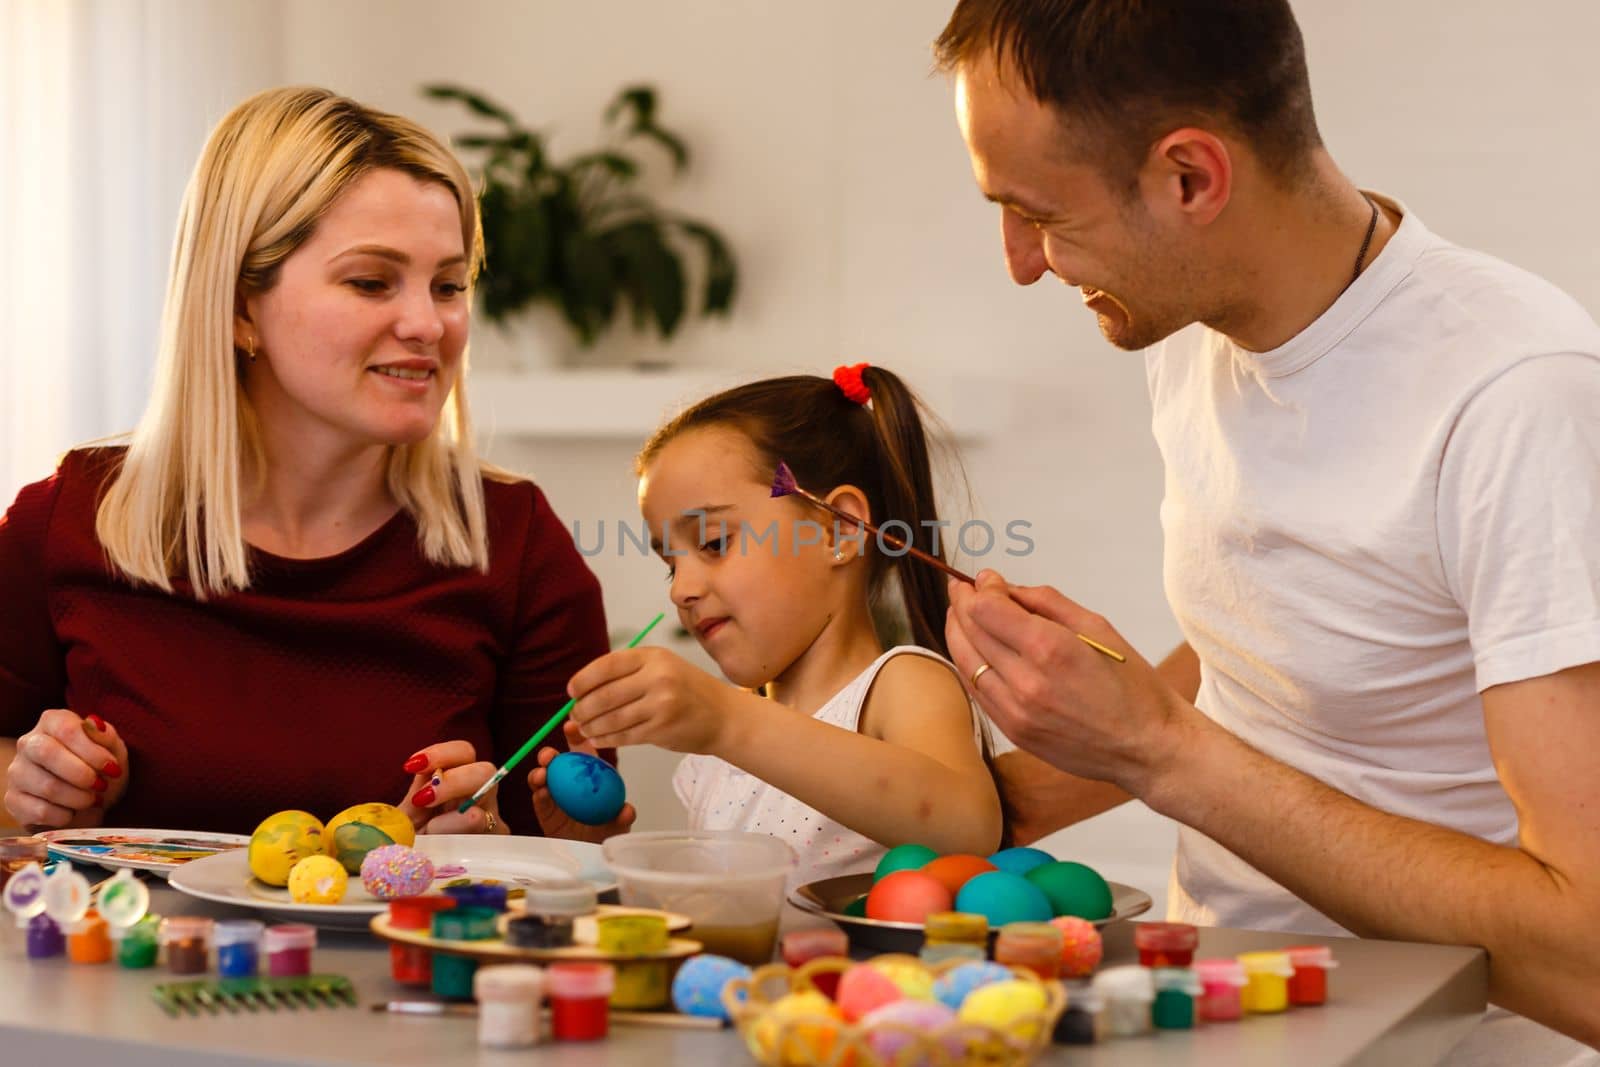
720 796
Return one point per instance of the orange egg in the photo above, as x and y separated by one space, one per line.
907 897
954 871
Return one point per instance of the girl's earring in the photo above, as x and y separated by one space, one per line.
838 555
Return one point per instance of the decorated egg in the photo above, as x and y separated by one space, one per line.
1020 860
281 841
954 986
864 988
357 830
1081 947
391 872
910 977
1015 1008
317 880
903 858
1073 889
796 1028
894 1026
907 897
957 870
697 987
1002 898
585 787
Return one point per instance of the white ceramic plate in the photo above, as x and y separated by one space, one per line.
158 851
516 861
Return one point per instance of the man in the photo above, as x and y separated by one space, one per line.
1382 513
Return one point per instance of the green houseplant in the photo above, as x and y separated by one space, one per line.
579 233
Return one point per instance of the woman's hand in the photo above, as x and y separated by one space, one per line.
649 696
554 821
67 773
447 774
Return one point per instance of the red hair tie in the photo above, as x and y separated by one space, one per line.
850 383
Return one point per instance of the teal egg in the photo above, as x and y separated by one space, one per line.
857 907
585 787
1003 897
904 858
1020 860
1073 889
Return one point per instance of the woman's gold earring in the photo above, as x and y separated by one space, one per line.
250 349
838 555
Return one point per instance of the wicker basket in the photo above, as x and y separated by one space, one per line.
820 1041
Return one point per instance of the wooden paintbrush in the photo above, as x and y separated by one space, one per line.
784 484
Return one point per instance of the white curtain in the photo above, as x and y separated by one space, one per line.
104 106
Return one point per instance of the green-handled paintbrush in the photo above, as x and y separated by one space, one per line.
543 732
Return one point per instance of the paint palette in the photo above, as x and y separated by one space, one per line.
516 862
158 851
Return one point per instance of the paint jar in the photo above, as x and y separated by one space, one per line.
412 964
452 975
1128 993
1309 983
641 985
953 935
1220 983
1165 944
17 852
186 939
238 944
1176 990
579 994
288 949
800 947
1036 946
477 895
1083 1020
508 1005
138 945
555 905
89 939
45 939
1266 987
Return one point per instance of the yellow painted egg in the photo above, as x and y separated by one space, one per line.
1016 1008
281 841
357 830
911 978
318 880
798 1028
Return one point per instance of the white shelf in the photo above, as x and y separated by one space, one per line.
628 405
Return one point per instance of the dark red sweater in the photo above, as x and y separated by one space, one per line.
311 688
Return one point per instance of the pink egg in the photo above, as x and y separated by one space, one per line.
890 1028
864 988
1081 947
907 897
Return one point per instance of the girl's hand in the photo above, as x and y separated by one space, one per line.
447 774
649 696
554 821
68 771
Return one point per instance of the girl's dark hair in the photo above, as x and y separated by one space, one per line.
828 441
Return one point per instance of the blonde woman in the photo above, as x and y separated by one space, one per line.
296 586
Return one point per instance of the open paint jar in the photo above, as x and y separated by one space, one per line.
1165 944
17 852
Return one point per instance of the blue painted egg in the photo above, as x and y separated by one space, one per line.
1003 898
585 787
1020 860
697 988
954 986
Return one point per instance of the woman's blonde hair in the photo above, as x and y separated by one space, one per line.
268 172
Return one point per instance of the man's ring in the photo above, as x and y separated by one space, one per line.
973 681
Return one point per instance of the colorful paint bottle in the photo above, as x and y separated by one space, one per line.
24 893
238 944
954 935
186 939
1220 983
1266 988
477 895
453 975
1176 990
66 897
138 945
508 1005
1083 1020
45 939
1165 944
1309 983
288 949
17 852
412 964
556 905
1036 946
89 940
579 995
1128 992
640 984
125 906
800 947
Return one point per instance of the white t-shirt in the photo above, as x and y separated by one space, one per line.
1368 526
720 796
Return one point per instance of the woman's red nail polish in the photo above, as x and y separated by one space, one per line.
101 785
423 798
98 723
416 764
111 769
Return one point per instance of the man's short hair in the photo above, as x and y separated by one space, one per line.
1127 72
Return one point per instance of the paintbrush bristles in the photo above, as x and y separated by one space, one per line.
783 482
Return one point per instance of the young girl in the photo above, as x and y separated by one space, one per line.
825 739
